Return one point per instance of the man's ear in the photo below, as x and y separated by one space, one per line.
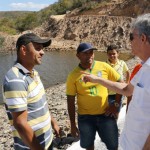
143 38
77 55
23 50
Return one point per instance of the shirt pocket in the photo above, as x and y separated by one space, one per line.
142 97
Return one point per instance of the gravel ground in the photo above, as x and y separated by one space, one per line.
57 104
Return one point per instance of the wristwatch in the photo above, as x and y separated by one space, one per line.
116 104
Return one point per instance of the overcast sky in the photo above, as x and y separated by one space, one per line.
24 5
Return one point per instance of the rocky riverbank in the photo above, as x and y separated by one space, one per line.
57 104
56 98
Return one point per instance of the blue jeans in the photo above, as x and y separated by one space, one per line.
104 125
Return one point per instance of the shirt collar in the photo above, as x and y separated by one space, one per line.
86 69
147 62
19 66
112 63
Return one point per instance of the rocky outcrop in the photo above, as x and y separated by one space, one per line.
98 30
68 32
131 8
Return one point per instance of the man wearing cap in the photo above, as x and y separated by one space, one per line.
136 132
94 112
25 98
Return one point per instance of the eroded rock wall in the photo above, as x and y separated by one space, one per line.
98 30
68 32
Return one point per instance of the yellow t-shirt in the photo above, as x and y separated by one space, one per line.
91 97
121 67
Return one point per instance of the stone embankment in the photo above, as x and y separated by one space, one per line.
56 98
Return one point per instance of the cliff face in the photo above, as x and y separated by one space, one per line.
68 32
128 8
104 25
131 8
101 31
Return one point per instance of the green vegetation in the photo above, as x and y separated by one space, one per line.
26 23
15 22
7 25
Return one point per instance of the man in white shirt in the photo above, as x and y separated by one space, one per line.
136 133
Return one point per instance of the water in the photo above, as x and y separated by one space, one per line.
54 68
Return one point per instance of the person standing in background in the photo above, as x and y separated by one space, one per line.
121 67
25 98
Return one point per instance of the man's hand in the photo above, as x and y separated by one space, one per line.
71 112
55 126
57 130
147 144
87 77
74 131
112 111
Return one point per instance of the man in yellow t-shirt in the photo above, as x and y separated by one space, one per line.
94 112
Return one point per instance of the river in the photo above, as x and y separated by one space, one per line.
54 68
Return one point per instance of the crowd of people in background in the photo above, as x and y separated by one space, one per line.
96 87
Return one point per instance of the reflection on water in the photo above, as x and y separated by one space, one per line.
54 68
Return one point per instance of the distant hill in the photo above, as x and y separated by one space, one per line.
129 8
13 14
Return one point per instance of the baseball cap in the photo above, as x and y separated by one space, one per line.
31 37
83 47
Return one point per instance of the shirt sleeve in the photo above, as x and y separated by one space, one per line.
15 95
113 75
135 70
70 86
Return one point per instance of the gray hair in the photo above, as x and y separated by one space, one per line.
142 24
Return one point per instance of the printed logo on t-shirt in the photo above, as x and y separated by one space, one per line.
99 73
80 80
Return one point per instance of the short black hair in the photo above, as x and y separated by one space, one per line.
112 47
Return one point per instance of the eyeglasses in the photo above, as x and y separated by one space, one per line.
131 37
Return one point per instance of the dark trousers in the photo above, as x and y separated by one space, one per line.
51 146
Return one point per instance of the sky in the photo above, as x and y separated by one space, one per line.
24 5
